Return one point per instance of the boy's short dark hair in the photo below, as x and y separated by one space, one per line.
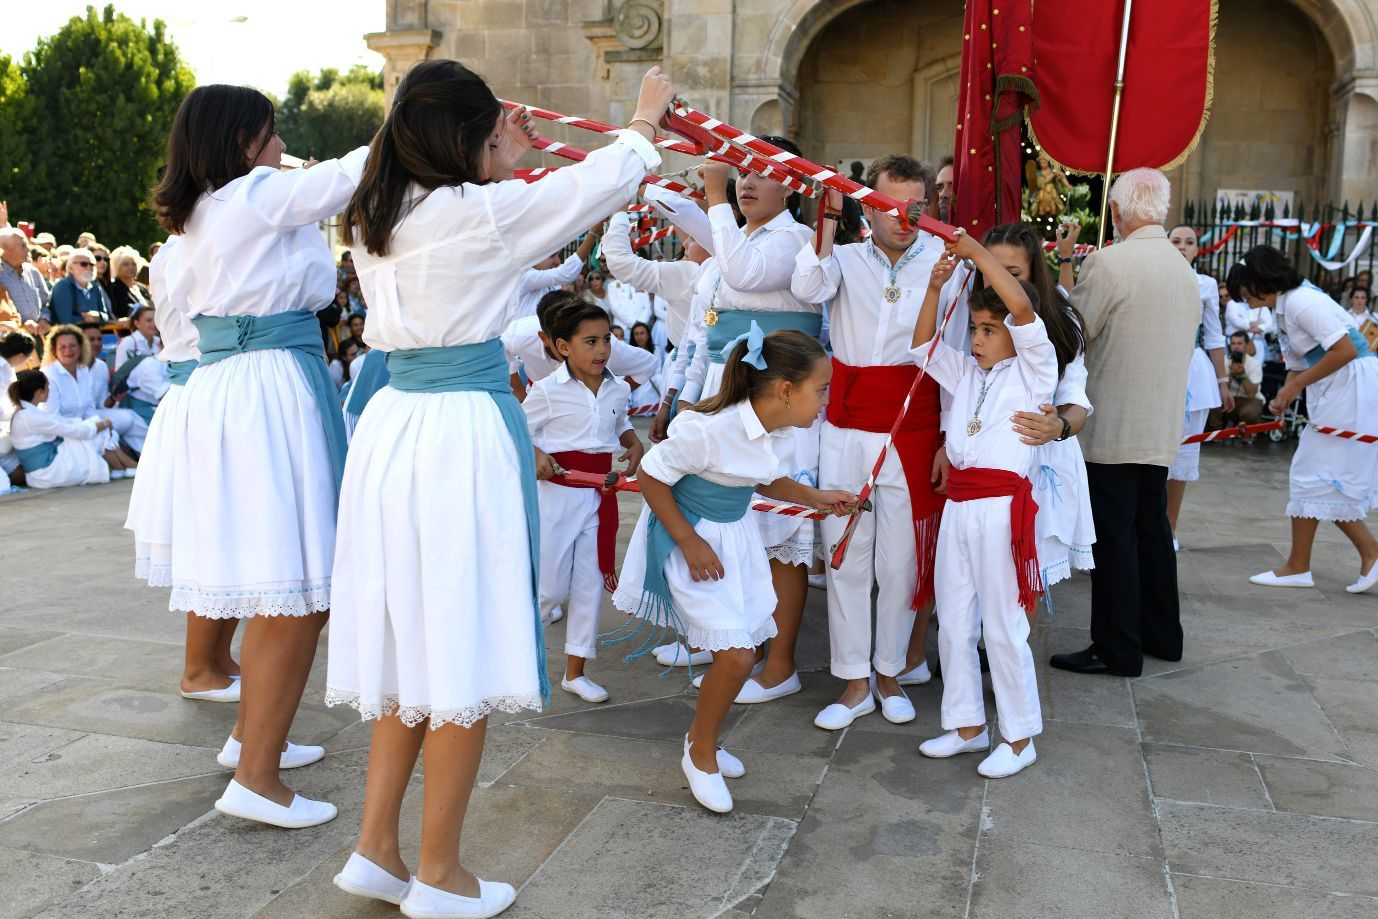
986 300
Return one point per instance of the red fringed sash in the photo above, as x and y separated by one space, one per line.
972 484
868 399
599 464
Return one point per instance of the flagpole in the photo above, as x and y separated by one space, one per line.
1114 123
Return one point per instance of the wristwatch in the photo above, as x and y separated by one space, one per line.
1064 260
1066 428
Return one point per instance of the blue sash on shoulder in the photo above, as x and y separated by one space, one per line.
297 332
698 499
732 323
38 457
1360 345
483 368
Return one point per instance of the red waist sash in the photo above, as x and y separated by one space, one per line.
974 484
599 464
868 399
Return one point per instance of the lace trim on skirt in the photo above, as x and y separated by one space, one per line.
290 598
412 715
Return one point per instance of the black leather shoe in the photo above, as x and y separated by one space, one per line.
1164 656
1086 662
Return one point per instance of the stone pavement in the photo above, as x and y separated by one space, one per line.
1242 781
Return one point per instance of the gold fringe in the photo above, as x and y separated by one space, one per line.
1200 129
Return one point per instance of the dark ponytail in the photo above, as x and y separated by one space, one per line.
209 146
789 354
1262 271
433 136
1060 318
26 385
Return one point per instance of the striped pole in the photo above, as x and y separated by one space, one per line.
574 153
618 482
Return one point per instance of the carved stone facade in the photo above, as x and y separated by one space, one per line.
1296 81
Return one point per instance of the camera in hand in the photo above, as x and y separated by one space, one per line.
1237 357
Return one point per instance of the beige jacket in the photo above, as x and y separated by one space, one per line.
1141 306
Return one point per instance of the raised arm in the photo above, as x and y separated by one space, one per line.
1006 285
301 197
686 216
816 277
670 280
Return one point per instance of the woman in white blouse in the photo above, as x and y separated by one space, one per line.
256 474
66 360
435 623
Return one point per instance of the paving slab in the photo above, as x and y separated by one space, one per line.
1323 789
1256 703
1023 879
12 639
664 719
1350 705
1218 777
634 858
1319 853
888 830
1213 898
30 882
1349 656
143 663
1086 791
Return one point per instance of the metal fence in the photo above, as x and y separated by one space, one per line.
1326 232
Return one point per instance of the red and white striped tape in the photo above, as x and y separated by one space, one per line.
619 482
637 411
574 153
1347 435
908 212
655 236
1245 430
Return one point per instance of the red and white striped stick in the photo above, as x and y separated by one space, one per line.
1347 435
839 550
532 175
618 482
718 150
652 237
908 212
574 153
639 410
1243 430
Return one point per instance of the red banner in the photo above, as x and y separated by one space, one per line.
1167 81
995 85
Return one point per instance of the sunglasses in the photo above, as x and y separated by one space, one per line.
82 264
102 258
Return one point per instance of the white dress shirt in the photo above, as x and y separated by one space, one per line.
564 414
537 282
134 344
73 397
166 282
672 281
525 349
252 248
627 304
730 447
1240 316
866 330
1017 384
465 247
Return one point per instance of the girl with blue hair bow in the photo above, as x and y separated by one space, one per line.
697 562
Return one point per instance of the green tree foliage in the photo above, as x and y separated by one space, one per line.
89 130
332 113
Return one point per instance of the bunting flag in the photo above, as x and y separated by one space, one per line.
1167 81
996 85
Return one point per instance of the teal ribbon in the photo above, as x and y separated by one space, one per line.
697 499
735 323
38 457
178 372
1360 345
1049 480
755 341
483 368
368 374
141 408
297 332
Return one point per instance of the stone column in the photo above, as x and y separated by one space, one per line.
1354 151
402 48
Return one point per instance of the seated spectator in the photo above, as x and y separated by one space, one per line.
356 296
102 258
1361 306
72 370
628 305
86 240
143 337
356 327
56 451
619 333
595 292
348 351
21 279
1246 375
647 393
137 369
126 293
17 354
153 249
77 297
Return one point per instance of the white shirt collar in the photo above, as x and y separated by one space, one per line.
562 374
750 421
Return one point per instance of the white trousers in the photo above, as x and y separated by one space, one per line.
977 594
129 426
882 551
569 564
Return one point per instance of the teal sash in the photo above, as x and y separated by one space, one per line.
178 372
39 457
1360 345
732 323
296 331
698 499
483 368
141 408
368 374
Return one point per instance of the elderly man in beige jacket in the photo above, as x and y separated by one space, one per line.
1140 304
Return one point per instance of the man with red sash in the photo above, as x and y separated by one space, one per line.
874 290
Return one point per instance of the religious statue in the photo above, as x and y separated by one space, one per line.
1050 187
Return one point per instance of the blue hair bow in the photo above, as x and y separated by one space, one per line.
755 340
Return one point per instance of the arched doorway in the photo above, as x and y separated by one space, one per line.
881 77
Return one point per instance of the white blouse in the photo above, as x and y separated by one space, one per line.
458 256
30 426
1308 317
1212 336
537 282
671 281
71 397
864 328
564 414
178 335
134 344
252 248
730 447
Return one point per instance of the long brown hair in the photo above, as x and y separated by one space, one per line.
790 355
433 136
208 147
1060 318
